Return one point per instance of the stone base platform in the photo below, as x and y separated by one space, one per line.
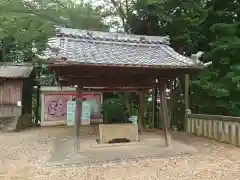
109 132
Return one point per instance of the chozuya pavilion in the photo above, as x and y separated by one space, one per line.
116 61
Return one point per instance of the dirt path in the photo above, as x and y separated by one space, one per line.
23 156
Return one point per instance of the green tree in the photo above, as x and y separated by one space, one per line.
220 84
23 23
211 26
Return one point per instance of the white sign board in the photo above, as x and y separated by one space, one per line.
19 103
71 113
133 119
86 113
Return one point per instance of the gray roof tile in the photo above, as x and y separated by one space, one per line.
101 48
11 71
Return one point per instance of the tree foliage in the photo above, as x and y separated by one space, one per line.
210 26
220 83
192 25
23 23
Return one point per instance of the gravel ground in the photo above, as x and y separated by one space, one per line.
23 156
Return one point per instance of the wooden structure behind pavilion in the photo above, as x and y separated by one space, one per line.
16 88
116 61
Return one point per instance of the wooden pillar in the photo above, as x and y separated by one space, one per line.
37 113
78 116
186 82
141 111
165 116
160 115
154 108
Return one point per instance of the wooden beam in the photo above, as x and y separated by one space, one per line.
109 84
186 82
164 109
176 71
78 116
111 81
115 89
115 76
141 112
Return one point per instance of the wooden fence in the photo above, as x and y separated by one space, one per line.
220 128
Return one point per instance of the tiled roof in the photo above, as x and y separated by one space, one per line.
15 71
114 49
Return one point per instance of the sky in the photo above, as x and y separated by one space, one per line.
110 18
95 2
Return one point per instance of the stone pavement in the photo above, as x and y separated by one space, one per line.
92 153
